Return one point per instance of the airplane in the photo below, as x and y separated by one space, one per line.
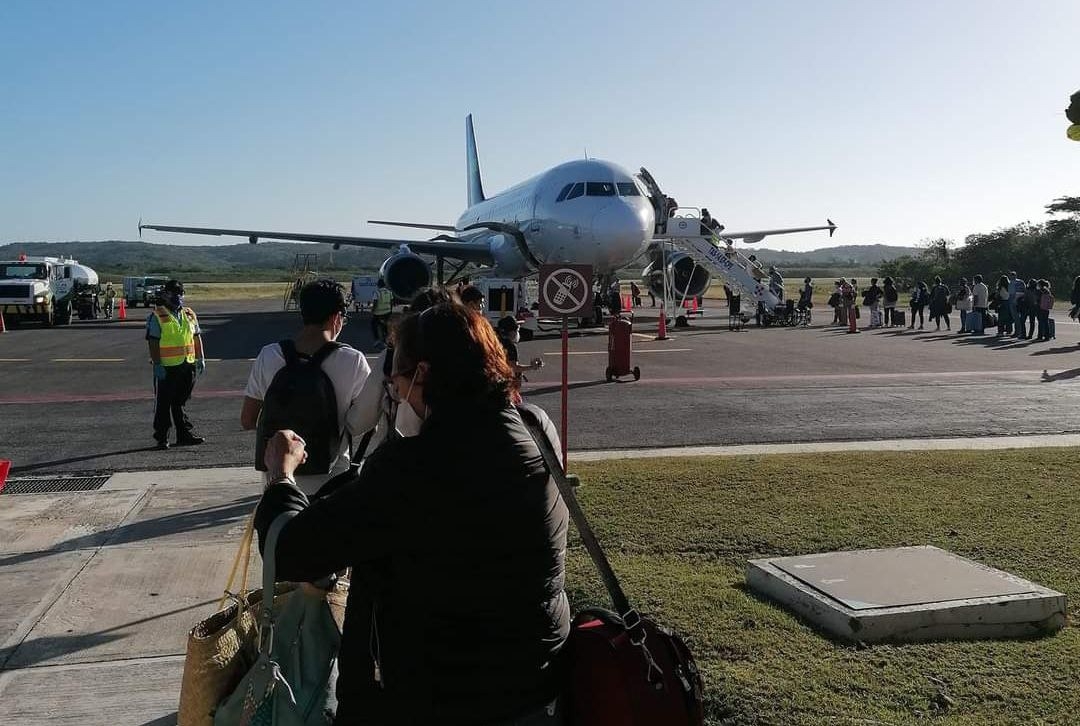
587 212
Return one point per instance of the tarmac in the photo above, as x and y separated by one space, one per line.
99 588
80 399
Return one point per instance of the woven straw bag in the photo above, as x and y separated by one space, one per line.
221 648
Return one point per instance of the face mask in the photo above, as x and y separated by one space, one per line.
407 422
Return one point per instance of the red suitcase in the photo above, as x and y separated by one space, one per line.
620 335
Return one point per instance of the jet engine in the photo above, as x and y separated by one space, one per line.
687 278
405 274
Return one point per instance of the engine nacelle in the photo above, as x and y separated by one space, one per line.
687 277
405 274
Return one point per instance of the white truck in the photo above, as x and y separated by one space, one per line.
362 291
42 288
143 289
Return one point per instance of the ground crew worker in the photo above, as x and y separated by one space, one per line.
176 350
110 300
381 307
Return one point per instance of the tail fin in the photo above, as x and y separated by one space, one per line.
476 187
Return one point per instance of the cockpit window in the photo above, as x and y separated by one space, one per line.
599 189
628 189
577 191
564 192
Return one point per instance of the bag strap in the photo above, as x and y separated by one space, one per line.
630 617
324 352
269 564
242 555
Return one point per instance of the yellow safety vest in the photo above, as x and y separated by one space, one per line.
177 336
384 303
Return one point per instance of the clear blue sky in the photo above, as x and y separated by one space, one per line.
901 121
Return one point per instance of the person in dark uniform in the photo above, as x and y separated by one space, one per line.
176 351
509 331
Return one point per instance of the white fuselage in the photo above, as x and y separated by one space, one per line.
586 212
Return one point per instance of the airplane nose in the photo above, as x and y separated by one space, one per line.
622 228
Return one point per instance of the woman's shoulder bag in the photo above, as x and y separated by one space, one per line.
622 668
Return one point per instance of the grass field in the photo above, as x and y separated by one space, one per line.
679 532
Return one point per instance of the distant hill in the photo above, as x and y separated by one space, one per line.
274 260
843 256
205 263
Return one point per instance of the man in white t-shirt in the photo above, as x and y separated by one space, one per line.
323 309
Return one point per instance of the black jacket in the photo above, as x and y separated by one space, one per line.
457 539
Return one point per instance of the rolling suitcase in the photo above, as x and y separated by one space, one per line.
1051 328
898 317
875 318
620 335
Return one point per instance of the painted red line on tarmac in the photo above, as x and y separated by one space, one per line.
823 377
105 397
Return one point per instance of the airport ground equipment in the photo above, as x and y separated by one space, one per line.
620 343
507 296
144 289
305 269
42 288
696 257
362 291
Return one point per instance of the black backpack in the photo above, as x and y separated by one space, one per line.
301 397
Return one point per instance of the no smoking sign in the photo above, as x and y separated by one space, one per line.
565 291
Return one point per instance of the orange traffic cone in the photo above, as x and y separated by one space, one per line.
3 328
5 467
627 302
851 320
693 307
122 315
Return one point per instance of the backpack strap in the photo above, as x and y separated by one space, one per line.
324 352
289 351
631 619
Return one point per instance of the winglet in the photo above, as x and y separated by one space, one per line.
472 164
140 227
832 226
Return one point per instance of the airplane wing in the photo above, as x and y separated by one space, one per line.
476 252
415 225
758 235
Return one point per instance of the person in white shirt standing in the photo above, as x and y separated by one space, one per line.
980 300
324 313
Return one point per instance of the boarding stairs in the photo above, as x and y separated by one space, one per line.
715 253
744 276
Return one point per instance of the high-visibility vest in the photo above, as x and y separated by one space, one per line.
177 336
384 303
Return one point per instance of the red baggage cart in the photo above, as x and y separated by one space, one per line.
620 335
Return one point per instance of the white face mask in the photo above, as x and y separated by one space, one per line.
406 421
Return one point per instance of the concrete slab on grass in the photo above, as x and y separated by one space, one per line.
142 692
131 602
907 594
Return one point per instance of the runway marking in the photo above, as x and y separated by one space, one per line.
87 360
14 360
604 352
117 397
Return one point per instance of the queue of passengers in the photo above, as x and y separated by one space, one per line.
1016 308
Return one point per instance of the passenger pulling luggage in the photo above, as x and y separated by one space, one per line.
620 336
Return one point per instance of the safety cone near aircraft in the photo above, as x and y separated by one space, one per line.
5 467
122 315
3 328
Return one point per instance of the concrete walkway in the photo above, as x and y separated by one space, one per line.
98 589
